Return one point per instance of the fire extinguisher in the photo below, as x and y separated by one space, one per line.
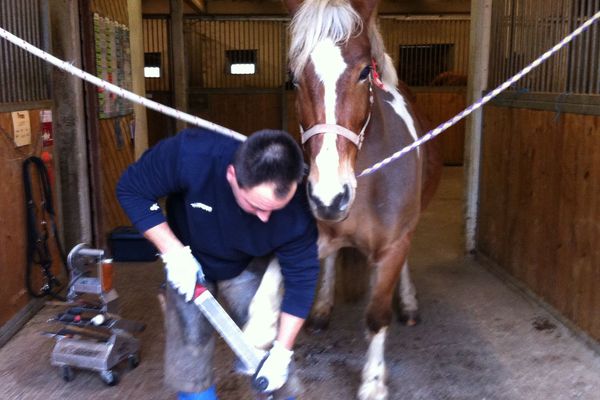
46 157
47 141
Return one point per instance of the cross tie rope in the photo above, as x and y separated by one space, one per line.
192 119
478 104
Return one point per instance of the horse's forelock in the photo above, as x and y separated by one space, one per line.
317 20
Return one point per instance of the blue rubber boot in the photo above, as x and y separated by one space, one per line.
208 394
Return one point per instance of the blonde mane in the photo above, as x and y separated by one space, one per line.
336 20
317 20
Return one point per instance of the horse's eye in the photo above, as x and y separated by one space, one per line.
364 74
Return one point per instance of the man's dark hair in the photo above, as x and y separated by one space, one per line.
269 156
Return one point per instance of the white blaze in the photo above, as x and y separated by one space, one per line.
329 66
399 106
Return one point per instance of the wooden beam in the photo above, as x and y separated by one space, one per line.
180 96
479 50
197 5
136 40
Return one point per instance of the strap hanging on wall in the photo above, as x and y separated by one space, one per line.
39 234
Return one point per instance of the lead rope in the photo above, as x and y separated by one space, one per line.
441 128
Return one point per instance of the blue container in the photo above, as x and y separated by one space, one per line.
127 244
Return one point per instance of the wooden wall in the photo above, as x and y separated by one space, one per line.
244 113
13 233
116 154
539 213
440 106
116 150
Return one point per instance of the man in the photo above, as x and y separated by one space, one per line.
231 207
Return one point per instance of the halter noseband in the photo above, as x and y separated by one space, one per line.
340 130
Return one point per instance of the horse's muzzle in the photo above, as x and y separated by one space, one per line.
336 211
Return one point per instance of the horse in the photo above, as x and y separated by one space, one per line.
353 112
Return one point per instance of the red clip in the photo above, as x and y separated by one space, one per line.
375 74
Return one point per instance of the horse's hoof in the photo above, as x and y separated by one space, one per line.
409 318
317 324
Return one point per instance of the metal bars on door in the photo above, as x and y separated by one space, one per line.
524 29
23 77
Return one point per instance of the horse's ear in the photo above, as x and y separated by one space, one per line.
292 5
365 8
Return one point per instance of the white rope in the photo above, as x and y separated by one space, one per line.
228 132
65 66
441 128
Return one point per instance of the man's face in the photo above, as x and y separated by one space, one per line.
259 200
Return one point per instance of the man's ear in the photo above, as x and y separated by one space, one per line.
230 174
292 5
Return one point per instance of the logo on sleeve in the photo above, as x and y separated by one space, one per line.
202 206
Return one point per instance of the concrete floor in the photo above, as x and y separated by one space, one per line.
478 339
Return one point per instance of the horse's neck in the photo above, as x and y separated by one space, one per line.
394 123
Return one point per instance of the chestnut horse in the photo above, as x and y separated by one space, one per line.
350 119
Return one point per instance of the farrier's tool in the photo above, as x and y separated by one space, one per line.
91 274
93 336
231 333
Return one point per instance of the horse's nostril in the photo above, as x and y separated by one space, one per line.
344 199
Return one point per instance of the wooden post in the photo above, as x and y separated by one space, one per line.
479 51
136 43
180 95
73 179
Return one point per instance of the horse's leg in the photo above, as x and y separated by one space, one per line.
409 307
379 316
321 311
263 312
374 373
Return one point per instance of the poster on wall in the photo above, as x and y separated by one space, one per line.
21 128
113 64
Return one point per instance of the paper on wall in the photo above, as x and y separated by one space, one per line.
21 128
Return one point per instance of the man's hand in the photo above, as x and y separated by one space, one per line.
183 270
275 367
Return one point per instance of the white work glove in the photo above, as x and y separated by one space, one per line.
183 270
275 367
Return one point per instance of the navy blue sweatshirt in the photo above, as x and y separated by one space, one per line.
190 168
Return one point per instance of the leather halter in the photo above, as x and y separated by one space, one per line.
340 130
